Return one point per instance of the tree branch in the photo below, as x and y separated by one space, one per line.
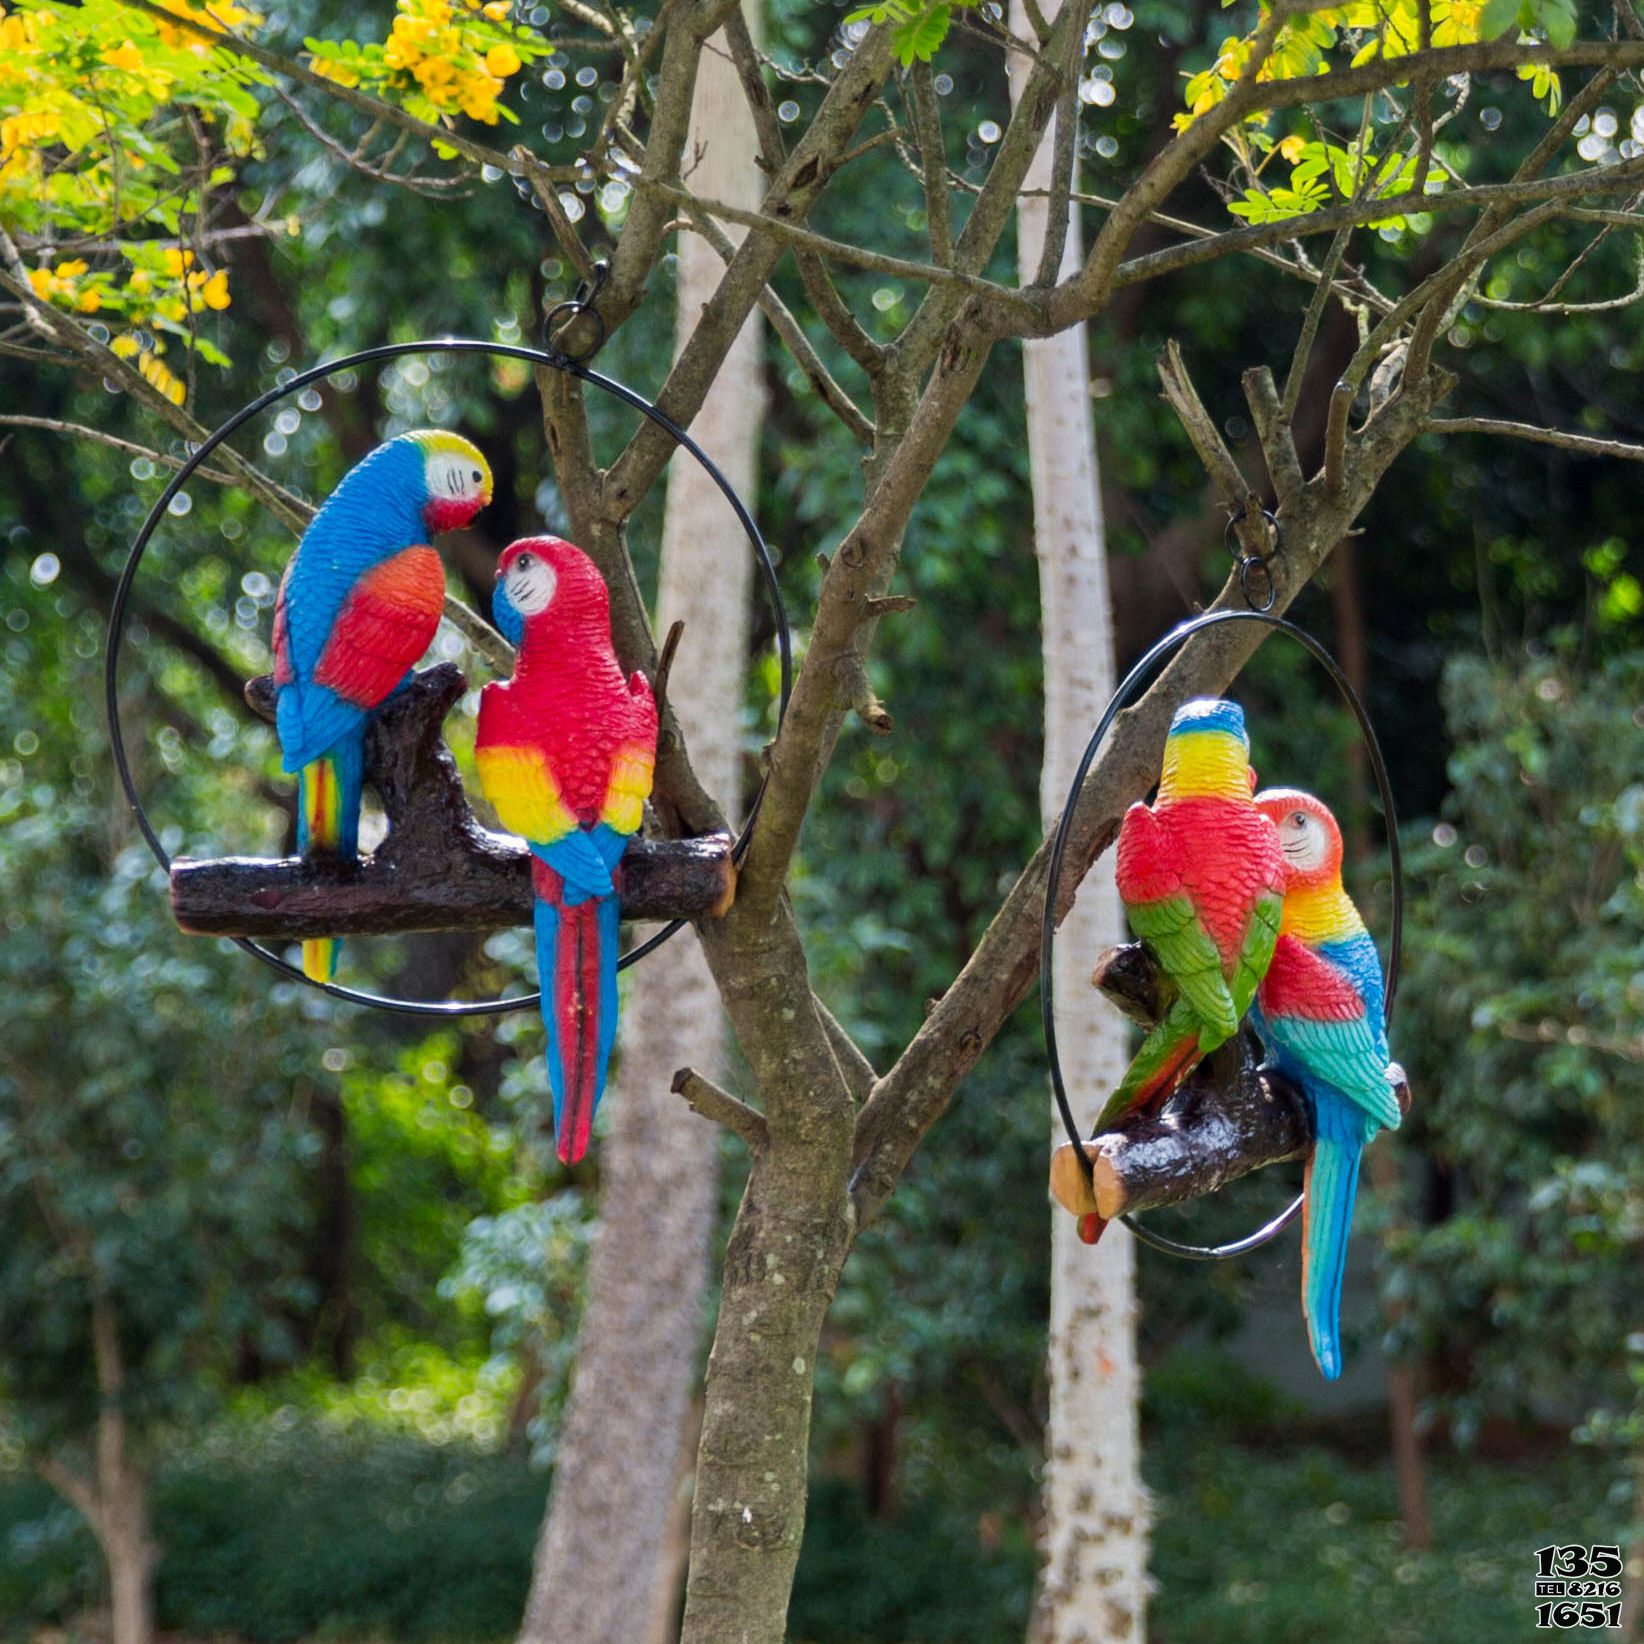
1586 444
705 1097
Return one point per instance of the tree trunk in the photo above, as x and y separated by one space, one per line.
1092 1587
1404 1433
131 1559
608 1565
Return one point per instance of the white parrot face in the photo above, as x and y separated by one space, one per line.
1304 841
529 584
458 477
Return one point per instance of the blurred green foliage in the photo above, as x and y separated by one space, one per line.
1525 1020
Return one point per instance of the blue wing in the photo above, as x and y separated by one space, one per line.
373 514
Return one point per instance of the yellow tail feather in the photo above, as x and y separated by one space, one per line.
320 958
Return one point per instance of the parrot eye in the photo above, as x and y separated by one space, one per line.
1299 818
524 562
478 477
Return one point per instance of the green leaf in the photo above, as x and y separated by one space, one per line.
1497 17
923 36
1557 20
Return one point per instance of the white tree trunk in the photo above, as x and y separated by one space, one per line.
1094 1581
609 1561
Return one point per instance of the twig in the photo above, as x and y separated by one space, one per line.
1587 444
926 117
794 339
80 431
705 1097
665 666
1201 429
1335 435
840 251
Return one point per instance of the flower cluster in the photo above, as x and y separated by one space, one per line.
91 153
442 58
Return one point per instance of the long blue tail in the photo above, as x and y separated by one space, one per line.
1327 1221
577 950
328 821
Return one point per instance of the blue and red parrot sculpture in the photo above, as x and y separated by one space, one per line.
1321 1014
565 751
1201 878
358 605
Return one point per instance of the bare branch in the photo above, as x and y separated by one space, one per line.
794 339
80 431
926 115
705 1097
1586 444
840 251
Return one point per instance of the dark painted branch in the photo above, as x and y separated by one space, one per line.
1231 1117
1228 1119
437 869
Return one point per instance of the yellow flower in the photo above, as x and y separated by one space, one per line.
328 69
91 299
177 259
42 281
141 282
1291 148
22 130
502 61
498 10
215 290
479 100
124 56
72 269
171 309
125 345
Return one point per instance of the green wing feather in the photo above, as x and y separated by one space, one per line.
1171 928
1169 1051
1260 938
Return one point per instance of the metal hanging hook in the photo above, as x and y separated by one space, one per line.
566 313
1248 563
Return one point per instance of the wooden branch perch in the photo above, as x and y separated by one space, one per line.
1231 1117
437 869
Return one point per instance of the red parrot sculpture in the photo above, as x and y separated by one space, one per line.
1202 881
565 751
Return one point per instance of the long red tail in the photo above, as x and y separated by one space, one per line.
576 970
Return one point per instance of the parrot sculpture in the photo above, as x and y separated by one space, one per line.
1201 878
565 751
1321 1014
358 605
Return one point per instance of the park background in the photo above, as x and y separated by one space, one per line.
350 1271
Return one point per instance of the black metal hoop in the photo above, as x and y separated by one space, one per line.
1121 698
557 361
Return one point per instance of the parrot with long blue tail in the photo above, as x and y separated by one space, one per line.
358 605
565 751
1320 1012
1200 876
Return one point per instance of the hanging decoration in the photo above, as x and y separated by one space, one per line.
1196 1115
437 868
